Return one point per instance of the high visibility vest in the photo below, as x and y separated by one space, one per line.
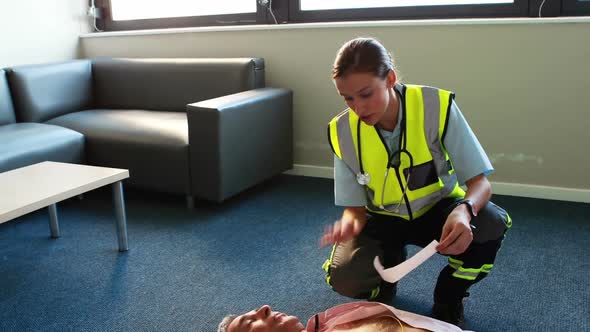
418 173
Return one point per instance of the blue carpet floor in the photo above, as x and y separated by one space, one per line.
186 269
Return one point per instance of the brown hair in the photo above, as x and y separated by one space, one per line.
362 55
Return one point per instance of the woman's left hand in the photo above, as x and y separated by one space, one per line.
456 233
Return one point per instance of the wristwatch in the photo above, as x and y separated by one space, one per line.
469 204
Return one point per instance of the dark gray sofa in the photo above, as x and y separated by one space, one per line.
206 128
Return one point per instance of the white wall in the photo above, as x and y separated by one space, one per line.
522 84
36 31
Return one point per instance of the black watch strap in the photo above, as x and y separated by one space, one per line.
469 204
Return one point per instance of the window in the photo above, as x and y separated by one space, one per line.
153 14
350 4
338 10
141 9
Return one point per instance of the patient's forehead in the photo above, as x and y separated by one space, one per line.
235 323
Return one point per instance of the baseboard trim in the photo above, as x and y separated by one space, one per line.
312 171
544 192
500 188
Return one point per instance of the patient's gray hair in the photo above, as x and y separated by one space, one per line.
225 323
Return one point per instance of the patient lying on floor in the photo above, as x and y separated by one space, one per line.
350 317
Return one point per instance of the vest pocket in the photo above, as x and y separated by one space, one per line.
421 175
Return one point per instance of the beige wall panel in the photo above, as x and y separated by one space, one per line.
35 31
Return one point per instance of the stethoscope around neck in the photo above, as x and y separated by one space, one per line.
363 178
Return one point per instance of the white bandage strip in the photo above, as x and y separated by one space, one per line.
397 272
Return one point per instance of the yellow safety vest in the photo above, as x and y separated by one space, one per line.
420 158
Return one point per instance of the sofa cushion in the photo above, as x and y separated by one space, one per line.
29 143
171 84
41 92
152 145
6 110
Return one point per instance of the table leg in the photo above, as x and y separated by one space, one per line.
121 218
53 223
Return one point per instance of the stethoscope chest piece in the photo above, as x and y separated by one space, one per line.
363 178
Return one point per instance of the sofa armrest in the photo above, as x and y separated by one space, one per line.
239 140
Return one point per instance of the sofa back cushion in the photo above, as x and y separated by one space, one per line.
171 84
42 92
6 110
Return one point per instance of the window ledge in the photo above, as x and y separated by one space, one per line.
327 25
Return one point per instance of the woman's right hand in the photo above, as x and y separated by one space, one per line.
350 225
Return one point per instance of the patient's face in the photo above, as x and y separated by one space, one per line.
265 320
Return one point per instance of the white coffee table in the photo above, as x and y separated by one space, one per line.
33 187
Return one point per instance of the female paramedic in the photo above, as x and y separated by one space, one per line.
401 153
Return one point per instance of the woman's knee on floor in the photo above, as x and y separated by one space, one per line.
350 268
358 283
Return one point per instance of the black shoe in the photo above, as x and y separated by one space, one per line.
449 312
386 294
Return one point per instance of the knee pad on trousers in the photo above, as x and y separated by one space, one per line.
350 269
352 284
491 224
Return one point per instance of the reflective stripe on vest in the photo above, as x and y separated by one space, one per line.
426 110
346 143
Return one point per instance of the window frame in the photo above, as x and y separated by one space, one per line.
106 22
575 8
287 11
